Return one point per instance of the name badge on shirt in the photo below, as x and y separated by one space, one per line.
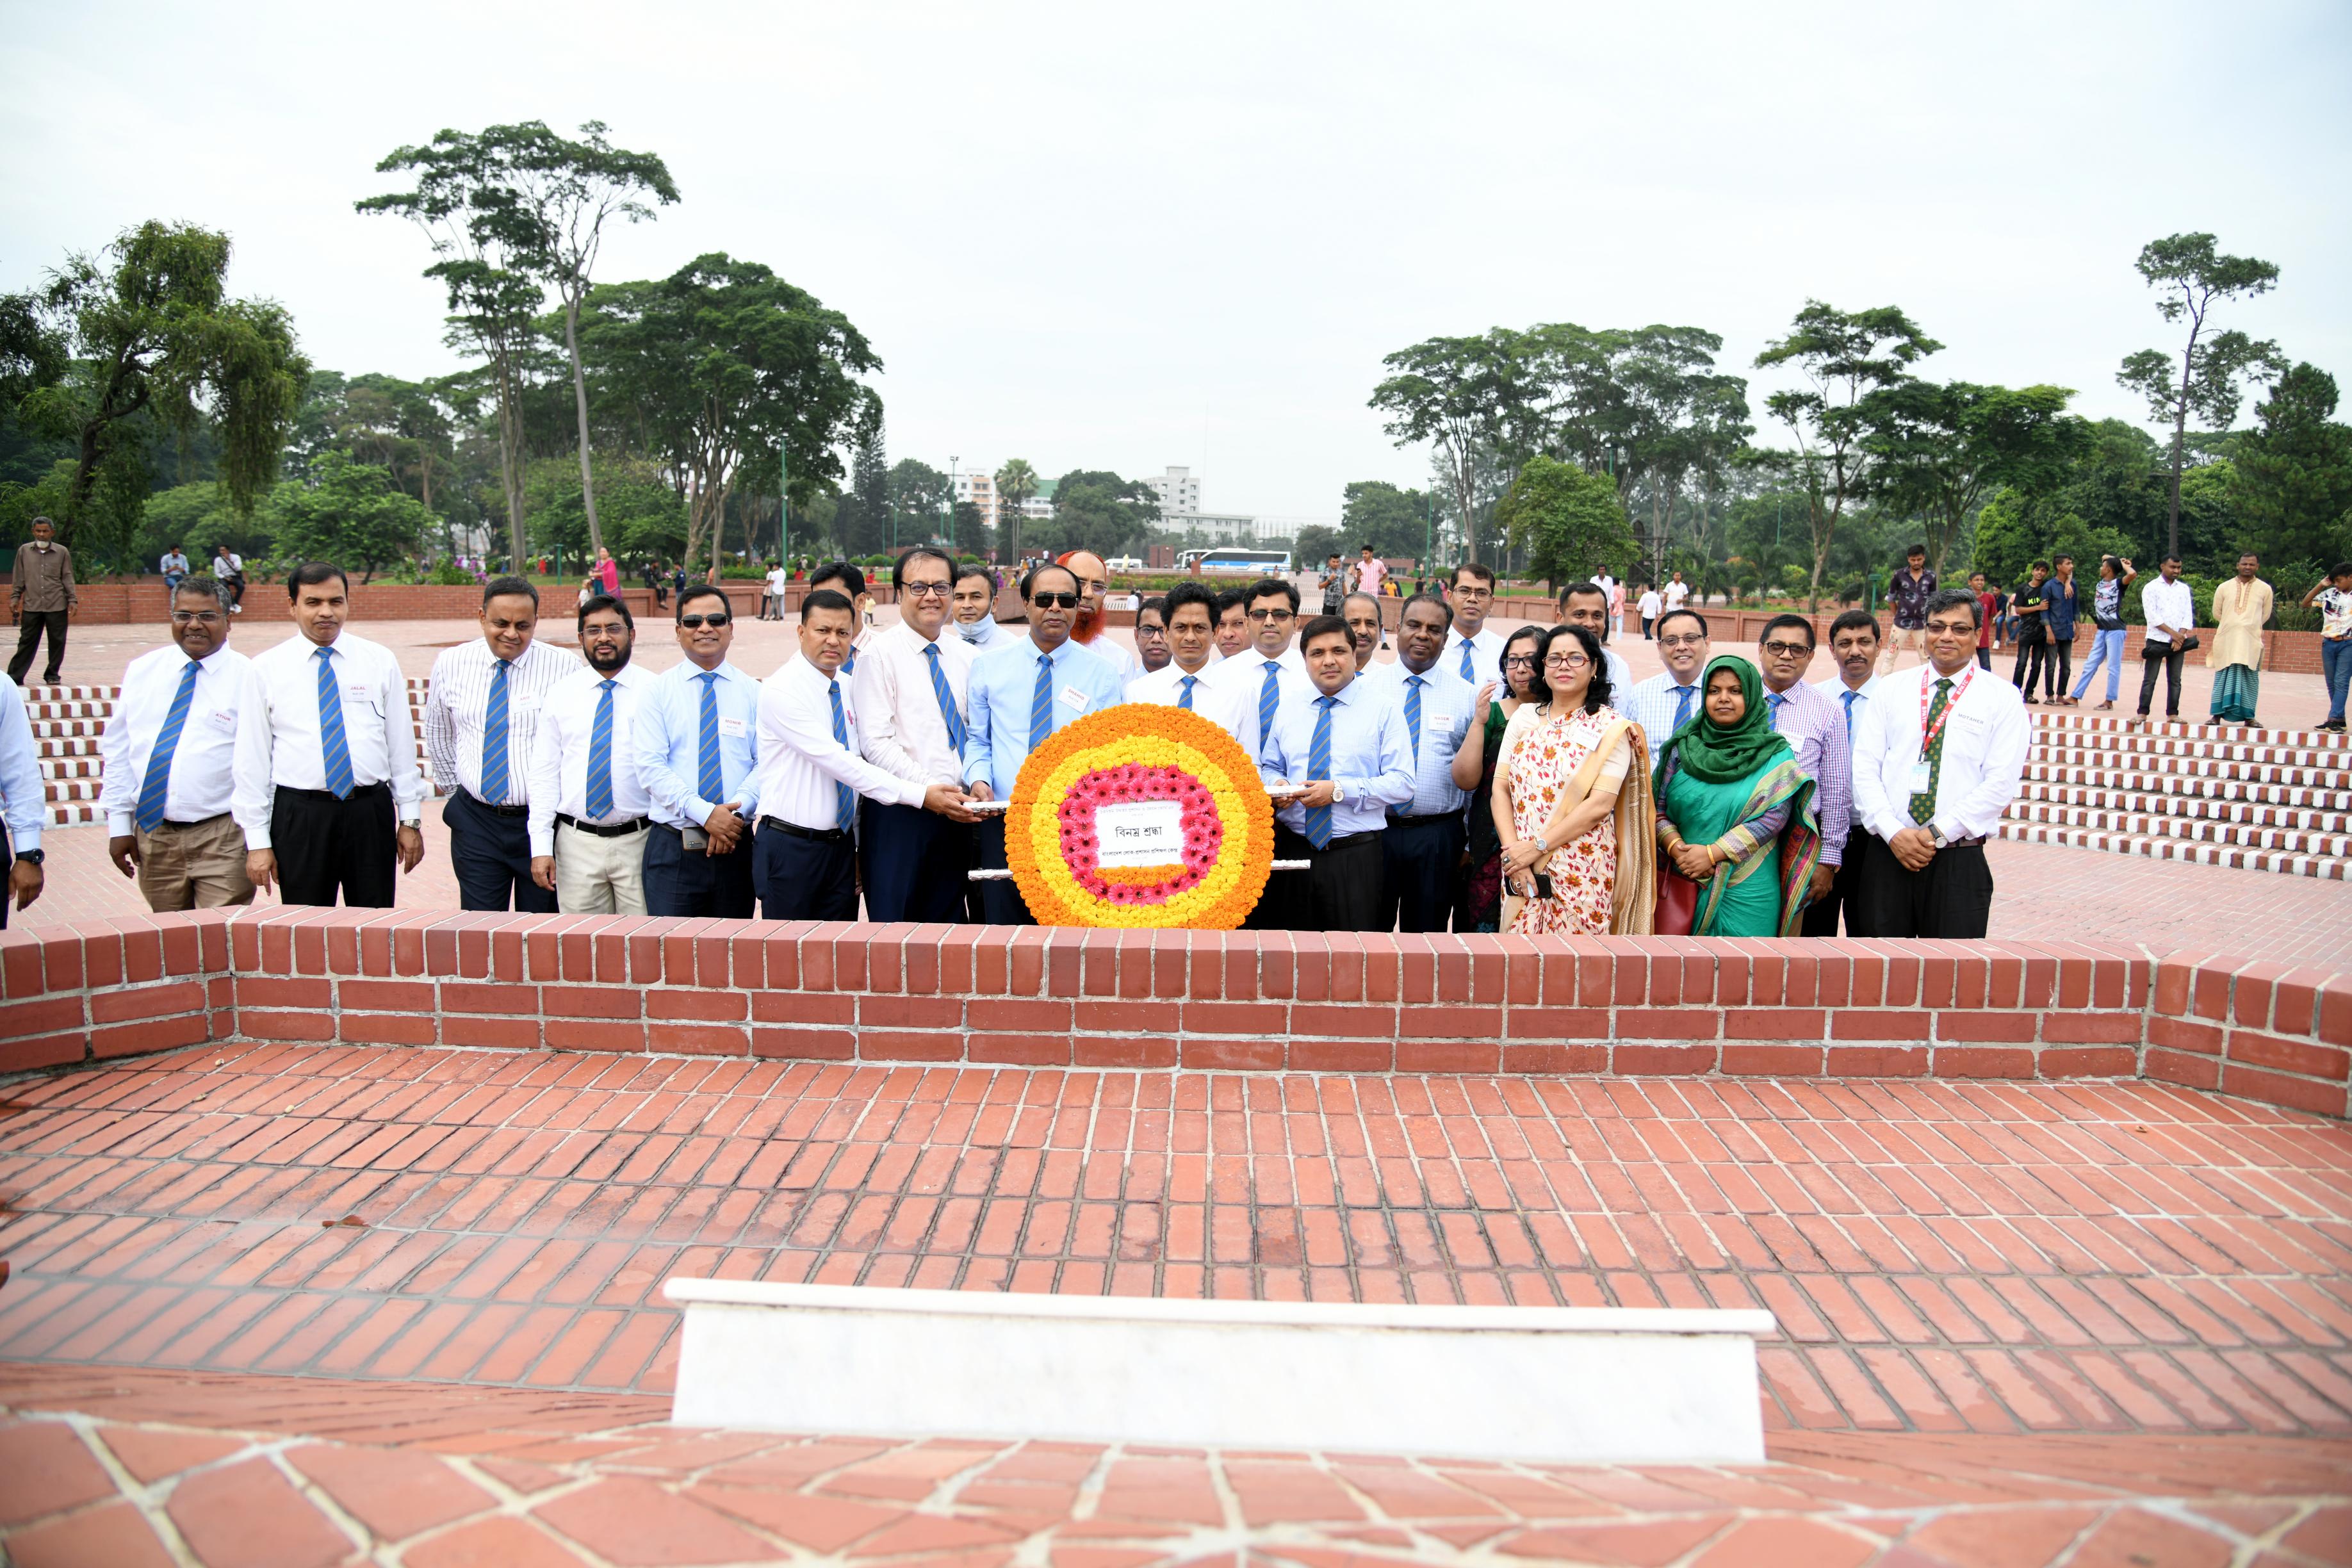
364 695
526 702
222 719
734 727
1920 782
1075 698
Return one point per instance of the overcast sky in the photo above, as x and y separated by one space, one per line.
1128 236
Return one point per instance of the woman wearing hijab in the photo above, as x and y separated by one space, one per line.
1734 814
1572 803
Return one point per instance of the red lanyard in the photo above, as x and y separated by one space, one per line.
1927 735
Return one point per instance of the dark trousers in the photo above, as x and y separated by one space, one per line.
1820 918
805 878
712 887
2171 662
2032 659
1421 873
1984 657
1342 890
1951 899
913 862
29 625
2061 666
491 855
1000 900
326 846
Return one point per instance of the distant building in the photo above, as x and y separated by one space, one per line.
978 486
1179 494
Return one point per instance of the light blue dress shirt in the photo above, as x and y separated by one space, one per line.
667 735
1445 706
22 793
1653 704
1003 688
1371 756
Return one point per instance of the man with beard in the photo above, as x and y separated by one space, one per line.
1090 631
481 714
974 603
1362 613
1152 635
588 803
1233 622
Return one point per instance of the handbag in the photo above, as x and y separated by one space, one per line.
1677 902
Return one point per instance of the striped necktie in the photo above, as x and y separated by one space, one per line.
710 776
1269 696
334 748
600 755
494 738
1413 685
949 715
1185 701
1469 669
1847 698
1041 702
844 799
1319 766
1683 695
1772 700
157 784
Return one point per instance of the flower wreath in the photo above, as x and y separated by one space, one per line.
1138 751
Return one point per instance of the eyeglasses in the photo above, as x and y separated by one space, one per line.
1565 661
696 622
1789 649
1521 661
1472 593
1690 640
1264 615
1056 601
201 617
925 590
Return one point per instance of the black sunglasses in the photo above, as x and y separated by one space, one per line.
716 618
1056 601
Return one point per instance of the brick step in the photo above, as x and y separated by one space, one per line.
2190 829
2062 766
2327 867
72 789
66 746
2188 806
74 813
2046 719
2171 785
2175 749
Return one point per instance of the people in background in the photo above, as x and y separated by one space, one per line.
588 822
1853 645
912 694
1571 803
2033 633
1937 761
229 569
1650 604
2058 605
168 757
1908 594
608 573
1347 743
2168 608
174 566
1372 572
1421 842
2115 575
1233 622
326 788
1676 591
697 740
42 596
481 714
1985 602
1735 812
1362 613
1476 767
1335 584
2333 599
2240 607
975 608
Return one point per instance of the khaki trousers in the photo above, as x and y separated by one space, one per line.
595 876
199 866
1912 637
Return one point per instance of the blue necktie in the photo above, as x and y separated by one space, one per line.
1848 697
600 755
1041 702
1185 701
1469 671
1413 685
158 782
494 739
948 714
1772 700
334 747
1319 766
710 777
1269 696
1683 695
844 799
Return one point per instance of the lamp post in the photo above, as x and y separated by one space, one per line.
952 461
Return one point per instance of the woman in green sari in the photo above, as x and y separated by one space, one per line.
1734 814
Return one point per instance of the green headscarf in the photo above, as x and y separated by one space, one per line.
1716 755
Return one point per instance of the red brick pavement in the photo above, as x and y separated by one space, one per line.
1942 1258
133 1468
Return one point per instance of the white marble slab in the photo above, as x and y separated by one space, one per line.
1565 1384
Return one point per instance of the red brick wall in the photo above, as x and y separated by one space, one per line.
1269 1001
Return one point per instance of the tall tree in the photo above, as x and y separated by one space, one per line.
1097 510
1016 481
1373 511
2295 472
1843 356
972 532
1684 421
148 334
869 486
347 512
2193 278
1466 396
1940 449
722 363
1568 519
919 495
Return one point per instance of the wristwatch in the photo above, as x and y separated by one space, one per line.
1935 837
32 857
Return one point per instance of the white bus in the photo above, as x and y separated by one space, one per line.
1230 563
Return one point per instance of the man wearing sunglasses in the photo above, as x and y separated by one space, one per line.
696 739
1019 694
913 689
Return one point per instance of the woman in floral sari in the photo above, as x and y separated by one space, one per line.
1571 803
1734 814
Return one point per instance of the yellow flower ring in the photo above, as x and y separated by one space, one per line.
1133 753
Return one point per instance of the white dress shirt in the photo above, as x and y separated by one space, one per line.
559 751
901 728
203 761
1835 689
278 739
1117 655
1486 655
1985 741
24 795
800 762
1164 688
1244 677
459 699
2163 604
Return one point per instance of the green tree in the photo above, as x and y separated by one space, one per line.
972 534
1393 521
1097 511
1940 447
643 515
2295 472
195 517
1843 356
865 519
349 513
1568 519
1466 396
1016 481
918 494
722 364
113 350
2193 278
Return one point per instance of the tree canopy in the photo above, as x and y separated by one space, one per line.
1569 519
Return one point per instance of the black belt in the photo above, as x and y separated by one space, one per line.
183 827
357 791
1397 821
823 835
497 810
602 830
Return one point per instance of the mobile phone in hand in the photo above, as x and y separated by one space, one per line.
1543 885
696 840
